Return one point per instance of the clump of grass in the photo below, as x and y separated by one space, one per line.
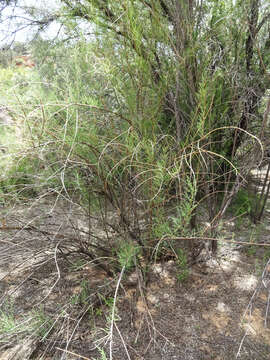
126 254
182 265
242 204
13 326
10 327
245 204
82 298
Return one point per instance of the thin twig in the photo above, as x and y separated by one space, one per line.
72 353
114 308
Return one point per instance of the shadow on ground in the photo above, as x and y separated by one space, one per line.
219 312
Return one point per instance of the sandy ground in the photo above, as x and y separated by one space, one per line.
219 312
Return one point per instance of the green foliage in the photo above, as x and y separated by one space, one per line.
103 355
8 323
138 124
251 250
108 303
37 323
19 178
184 212
266 256
162 226
243 203
182 265
260 262
82 298
77 265
126 254
41 323
254 238
6 77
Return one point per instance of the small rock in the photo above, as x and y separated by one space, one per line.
132 278
140 306
157 269
152 299
221 307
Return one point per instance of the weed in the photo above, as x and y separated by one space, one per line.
102 353
181 221
8 322
98 311
258 267
83 296
42 323
126 253
251 250
266 256
182 265
253 239
11 325
243 204
20 178
107 301
78 265
260 263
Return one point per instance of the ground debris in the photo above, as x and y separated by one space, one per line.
20 351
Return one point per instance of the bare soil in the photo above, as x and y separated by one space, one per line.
219 312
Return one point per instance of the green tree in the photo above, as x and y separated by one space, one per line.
158 106
198 69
